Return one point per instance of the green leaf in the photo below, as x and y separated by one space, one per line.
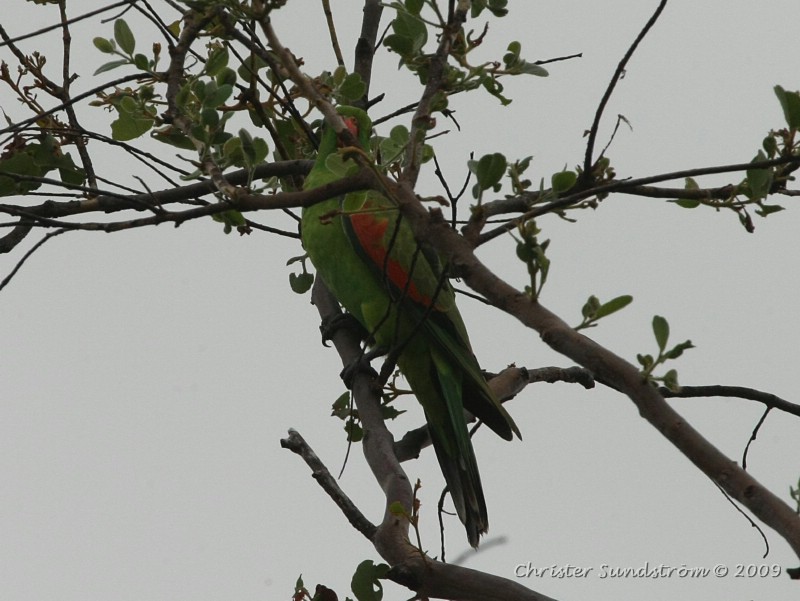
301 282
355 433
250 66
366 584
124 36
489 170
563 181
678 349
768 210
512 56
790 103
341 406
127 127
414 6
103 45
770 146
409 37
352 88
671 380
226 76
759 180
69 172
687 203
496 7
646 361
530 69
661 331
612 306
111 65
591 306
173 137
231 218
209 117
339 167
141 62
216 96
217 60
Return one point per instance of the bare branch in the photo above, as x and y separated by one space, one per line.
767 399
506 385
365 47
326 8
391 538
27 255
587 161
298 445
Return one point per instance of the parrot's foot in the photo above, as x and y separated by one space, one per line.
361 366
345 321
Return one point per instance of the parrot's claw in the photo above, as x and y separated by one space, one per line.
339 321
361 365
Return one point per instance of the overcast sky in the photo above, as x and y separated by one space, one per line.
148 376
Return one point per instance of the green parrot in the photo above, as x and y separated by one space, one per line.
368 257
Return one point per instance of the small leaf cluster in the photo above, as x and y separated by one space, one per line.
200 100
366 585
391 150
136 111
488 171
34 157
532 252
409 36
123 44
593 310
759 183
649 363
232 219
344 409
342 87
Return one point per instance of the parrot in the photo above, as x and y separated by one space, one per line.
367 256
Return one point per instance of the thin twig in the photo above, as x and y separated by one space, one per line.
587 161
27 255
740 392
326 8
624 186
298 445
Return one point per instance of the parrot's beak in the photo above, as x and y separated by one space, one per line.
352 126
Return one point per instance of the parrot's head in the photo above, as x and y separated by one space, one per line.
357 121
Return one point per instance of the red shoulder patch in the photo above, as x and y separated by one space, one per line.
371 231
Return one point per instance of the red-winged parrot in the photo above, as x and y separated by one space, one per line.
367 256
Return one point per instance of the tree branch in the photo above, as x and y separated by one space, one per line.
298 445
587 161
505 385
391 537
429 578
627 186
607 367
769 400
